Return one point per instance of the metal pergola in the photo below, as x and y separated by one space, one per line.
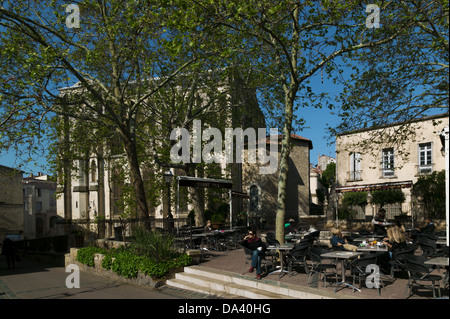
190 181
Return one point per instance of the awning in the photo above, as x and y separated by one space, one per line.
374 187
190 181
239 194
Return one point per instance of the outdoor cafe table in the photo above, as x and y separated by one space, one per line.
439 261
371 249
281 249
368 238
342 255
205 236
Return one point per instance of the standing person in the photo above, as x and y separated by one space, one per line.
380 222
256 246
9 250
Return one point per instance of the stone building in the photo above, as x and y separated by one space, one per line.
11 201
262 189
92 193
39 198
389 165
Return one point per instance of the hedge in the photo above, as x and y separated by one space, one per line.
127 264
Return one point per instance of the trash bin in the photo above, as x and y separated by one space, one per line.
118 233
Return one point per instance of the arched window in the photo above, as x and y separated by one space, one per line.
254 198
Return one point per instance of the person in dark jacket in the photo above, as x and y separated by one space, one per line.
9 250
426 231
257 247
380 222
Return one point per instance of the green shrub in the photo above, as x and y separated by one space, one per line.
153 245
85 255
127 264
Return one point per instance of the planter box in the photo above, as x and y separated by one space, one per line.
141 279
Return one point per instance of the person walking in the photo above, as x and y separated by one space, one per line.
9 250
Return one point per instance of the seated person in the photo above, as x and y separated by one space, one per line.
257 247
289 227
339 241
380 222
395 239
208 227
427 230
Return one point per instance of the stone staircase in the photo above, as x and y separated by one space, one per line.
230 285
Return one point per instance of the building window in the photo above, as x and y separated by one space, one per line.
39 207
254 198
93 172
355 167
425 163
388 162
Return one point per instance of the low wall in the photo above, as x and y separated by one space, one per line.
141 279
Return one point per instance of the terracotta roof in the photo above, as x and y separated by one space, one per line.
295 137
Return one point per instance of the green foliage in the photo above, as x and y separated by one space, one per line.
329 175
86 255
344 212
355 199
388 196
126 263
430 191
154 245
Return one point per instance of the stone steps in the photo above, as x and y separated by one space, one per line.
230 285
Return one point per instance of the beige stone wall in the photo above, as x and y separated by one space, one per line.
11 201
406 155
298 185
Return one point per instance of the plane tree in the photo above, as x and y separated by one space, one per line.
90 71
288 42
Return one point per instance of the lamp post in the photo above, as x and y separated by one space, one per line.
168 178
444 150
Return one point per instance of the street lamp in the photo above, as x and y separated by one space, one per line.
168 178
444 140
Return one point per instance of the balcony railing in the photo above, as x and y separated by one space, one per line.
353 176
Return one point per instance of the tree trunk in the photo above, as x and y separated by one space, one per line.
137 182
284 168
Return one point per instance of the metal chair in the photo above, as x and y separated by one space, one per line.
248 257
397 261
298 255
428 246
419 276
359 270
319 266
